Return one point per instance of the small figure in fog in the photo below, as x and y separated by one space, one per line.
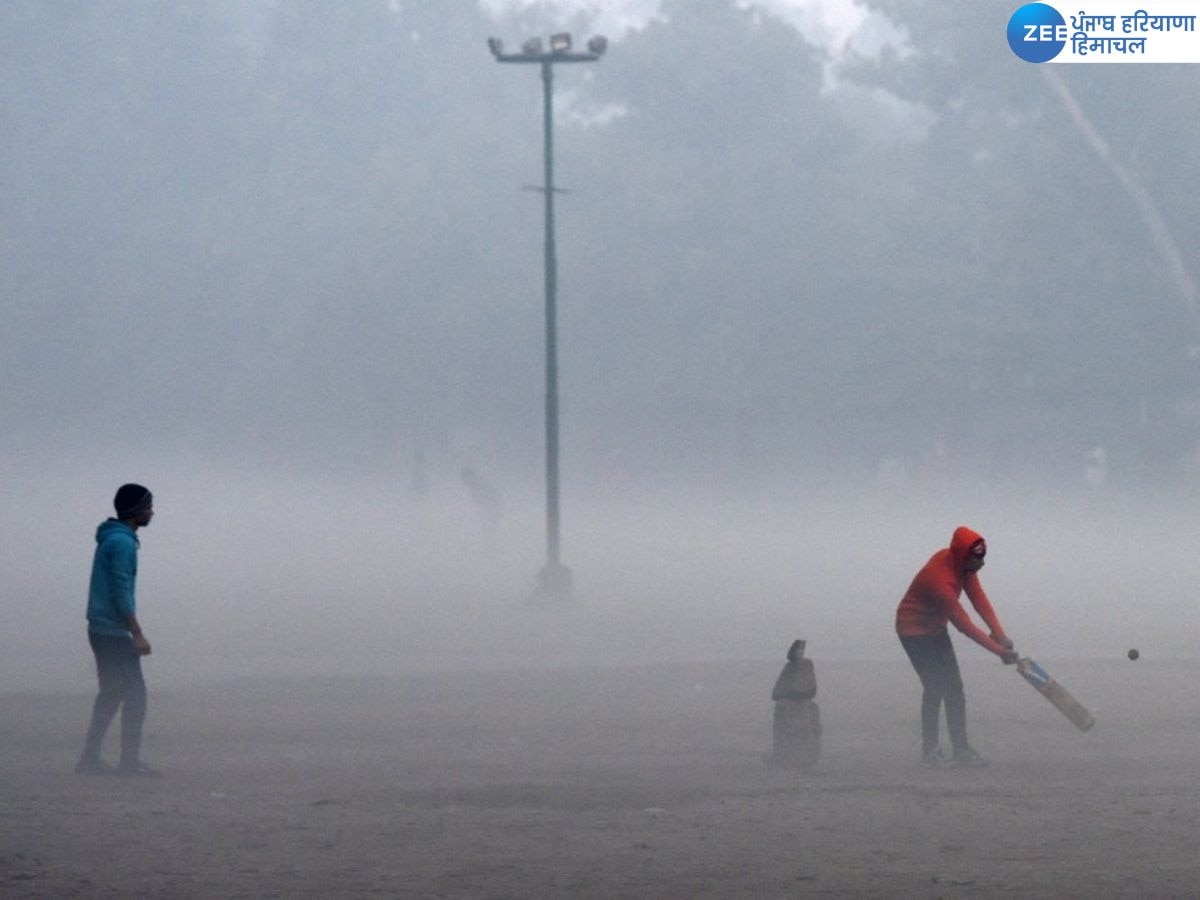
486 497
116 638
797 725
930 603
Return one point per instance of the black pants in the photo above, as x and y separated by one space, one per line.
119 670
933 657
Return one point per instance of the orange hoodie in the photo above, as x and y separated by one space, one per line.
932 598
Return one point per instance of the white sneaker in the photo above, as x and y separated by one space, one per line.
934 759
968 759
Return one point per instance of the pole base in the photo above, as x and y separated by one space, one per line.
554 584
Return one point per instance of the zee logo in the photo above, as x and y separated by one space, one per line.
1046 33
1037 32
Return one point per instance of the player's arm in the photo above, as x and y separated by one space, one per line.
139 640
122 571
958 616
983 606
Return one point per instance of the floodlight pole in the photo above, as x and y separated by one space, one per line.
554 580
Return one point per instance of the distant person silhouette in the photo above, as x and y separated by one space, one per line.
486 497
115 635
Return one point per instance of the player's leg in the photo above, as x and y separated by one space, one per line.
133 711
108 698
950 678
923 653
956 705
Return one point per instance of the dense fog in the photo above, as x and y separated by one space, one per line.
829 285
262 572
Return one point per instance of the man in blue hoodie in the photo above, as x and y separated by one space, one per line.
115 635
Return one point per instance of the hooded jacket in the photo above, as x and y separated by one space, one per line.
111 599
932 599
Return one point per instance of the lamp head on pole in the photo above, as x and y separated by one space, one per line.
560 49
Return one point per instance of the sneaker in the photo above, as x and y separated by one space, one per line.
93 767
968 759
137 770
934 759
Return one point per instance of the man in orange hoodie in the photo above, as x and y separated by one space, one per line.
929 604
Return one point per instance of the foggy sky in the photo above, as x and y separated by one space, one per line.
280 265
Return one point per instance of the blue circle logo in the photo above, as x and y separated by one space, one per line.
1037 32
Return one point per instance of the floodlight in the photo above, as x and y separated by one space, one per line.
598 44
496 46
560 43
532 47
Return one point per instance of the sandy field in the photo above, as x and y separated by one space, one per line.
611 782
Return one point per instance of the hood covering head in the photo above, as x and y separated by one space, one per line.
131 499
962 543
115 528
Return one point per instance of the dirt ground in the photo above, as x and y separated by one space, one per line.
611 782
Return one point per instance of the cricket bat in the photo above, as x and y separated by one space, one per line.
1056 694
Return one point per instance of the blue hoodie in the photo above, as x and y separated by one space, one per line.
114 570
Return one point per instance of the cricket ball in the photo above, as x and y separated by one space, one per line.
1133 654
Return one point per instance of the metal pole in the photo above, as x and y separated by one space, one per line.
553 538
554 581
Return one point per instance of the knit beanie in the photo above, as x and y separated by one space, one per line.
130 500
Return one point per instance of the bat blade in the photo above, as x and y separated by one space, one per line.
1056 694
